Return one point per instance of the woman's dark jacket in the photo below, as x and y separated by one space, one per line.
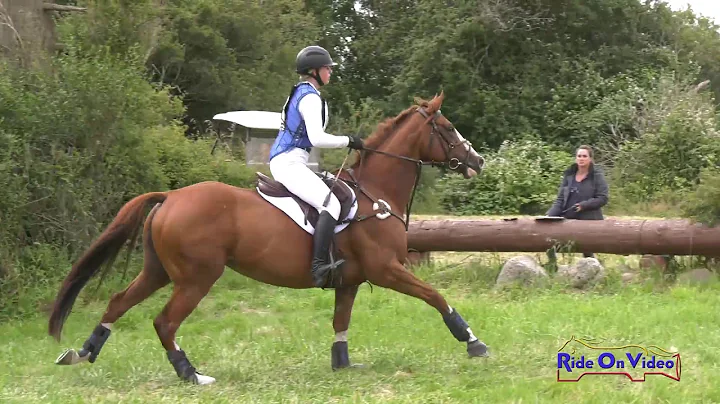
592 191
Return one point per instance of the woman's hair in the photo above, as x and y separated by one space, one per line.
588 148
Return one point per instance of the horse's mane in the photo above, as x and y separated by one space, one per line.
386 128
390 125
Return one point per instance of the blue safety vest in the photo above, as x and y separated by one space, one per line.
292 131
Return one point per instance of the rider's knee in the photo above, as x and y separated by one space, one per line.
333 207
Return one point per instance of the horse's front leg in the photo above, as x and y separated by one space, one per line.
344 300
398 278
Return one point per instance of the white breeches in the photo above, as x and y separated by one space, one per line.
291 170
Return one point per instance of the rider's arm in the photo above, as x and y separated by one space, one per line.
310 108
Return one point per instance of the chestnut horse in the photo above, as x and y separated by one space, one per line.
191 235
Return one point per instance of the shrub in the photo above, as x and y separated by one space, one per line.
522 177
703 203
76 144
678 138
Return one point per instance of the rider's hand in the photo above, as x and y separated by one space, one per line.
355 142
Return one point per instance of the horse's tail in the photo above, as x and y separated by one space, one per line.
103 251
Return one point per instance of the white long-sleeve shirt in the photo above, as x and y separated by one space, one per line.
310 108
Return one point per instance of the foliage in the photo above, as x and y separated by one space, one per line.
511 67
678 136
361 121
134 82
78 143
522 177
564 71
82 132
120 26
593 108
224 55
703 203
185 162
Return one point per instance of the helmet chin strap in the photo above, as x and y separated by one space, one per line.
316 75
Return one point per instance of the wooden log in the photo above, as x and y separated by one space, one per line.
613 236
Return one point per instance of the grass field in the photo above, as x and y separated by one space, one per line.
266 344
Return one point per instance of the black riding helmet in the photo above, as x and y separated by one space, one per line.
313 57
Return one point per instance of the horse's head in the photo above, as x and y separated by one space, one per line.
441 142
420 135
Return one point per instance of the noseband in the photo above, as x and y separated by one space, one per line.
451 163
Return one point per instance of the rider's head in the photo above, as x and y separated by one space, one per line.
315 62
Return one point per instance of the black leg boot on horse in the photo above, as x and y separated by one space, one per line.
325 273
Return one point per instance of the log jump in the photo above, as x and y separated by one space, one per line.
611 236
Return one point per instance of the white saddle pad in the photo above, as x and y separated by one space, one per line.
291 208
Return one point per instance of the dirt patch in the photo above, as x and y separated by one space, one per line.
245 308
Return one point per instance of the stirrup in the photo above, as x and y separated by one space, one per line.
327 274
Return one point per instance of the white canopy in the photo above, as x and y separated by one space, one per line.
252 119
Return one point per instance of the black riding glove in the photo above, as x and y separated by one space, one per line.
355 143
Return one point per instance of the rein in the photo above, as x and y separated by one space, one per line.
452 164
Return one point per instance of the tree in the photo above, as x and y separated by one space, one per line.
27 30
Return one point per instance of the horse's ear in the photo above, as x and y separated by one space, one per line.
436 102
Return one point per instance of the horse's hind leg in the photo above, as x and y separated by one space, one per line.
150 279
186 296
138 290
344 300
398 278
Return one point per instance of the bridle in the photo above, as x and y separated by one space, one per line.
452 163
447 145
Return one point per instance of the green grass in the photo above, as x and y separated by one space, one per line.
266 344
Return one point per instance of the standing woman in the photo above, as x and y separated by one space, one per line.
583 191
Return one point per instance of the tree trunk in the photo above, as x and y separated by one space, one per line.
27 32
625 237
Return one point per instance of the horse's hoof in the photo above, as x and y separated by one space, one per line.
203 379
351 366
185 370
477 349
71 357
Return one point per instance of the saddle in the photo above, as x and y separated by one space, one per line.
341 190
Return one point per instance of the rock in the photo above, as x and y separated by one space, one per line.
625 268
522 269
583 273
699 275
629 277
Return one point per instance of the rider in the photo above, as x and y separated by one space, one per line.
304 119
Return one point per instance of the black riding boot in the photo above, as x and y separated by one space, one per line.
321 266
